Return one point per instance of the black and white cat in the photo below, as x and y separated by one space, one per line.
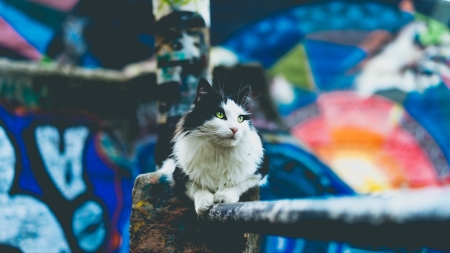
217 153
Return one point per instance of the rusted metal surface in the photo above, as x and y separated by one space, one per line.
401 221
165 221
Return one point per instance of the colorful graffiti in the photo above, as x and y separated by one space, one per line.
25 214
366 143
59 191
182 56
362 87
75 32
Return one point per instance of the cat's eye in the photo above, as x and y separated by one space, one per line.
240 118
219 115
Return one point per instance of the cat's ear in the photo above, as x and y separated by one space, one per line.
244 95
203 89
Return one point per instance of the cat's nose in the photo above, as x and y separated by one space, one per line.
233 129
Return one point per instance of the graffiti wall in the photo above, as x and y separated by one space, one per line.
359 99
75 32
362 90
363 87
59 191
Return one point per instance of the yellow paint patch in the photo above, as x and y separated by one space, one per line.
137 225
142 203
361 174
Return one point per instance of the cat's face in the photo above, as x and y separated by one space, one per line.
221 120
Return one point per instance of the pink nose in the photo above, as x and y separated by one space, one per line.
233 129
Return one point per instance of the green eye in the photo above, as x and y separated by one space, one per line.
240 118
219 115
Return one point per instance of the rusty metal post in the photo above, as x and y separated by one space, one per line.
164 221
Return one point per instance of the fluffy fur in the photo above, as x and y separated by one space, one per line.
216 159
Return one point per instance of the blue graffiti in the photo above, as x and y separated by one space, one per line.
59 190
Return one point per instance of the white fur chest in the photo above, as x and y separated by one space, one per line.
214 167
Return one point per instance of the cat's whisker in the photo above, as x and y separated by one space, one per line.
224 84
220 87
250 100
185 175
239 92
245 103
255 97
246 95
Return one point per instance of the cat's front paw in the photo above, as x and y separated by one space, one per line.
203 202
226 196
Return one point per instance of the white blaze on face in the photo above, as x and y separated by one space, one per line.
233 111
221 128
65 168
7 162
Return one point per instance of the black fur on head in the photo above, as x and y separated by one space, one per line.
207 103
205 91
242 97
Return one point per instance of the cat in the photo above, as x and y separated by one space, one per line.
217 153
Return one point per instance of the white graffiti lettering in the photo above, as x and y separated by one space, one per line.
25 222
65 168
88 226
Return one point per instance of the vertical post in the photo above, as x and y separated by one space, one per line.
182 51
163 220
182 54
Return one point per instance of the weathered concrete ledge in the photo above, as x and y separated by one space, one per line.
165 221
400 221
29 68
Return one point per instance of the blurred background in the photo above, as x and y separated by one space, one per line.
353 98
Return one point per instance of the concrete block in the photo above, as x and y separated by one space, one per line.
164 220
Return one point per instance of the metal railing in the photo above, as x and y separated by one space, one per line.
400 221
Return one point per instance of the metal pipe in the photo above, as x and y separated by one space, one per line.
397 220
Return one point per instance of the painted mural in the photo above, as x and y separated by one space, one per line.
74 32
363 88
59 190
